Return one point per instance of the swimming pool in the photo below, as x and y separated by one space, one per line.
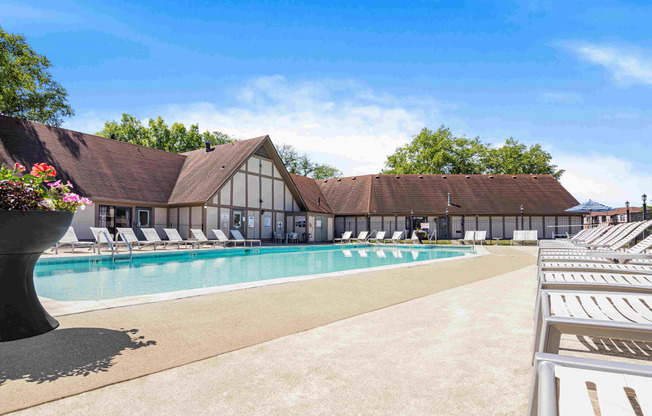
99 279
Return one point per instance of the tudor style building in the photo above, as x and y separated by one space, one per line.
245 186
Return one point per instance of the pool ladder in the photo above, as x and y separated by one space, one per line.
113 249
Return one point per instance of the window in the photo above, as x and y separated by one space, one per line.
113 217
237 218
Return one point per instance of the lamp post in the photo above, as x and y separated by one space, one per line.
644 197
411 223
627 207
522 221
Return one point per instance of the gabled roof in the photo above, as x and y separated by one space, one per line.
203 172
98 167
311 194
470 194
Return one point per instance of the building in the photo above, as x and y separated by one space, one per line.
245 186
451 204
614 216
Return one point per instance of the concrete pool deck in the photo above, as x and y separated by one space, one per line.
462 347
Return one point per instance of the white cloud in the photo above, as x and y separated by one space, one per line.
334 120
605 179
627 65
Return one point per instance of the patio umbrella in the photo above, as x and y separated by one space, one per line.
590 207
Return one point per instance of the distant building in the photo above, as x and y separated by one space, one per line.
245 186
615 216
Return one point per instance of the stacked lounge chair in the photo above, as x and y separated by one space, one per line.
585 292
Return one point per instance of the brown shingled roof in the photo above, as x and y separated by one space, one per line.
204 172
98 167
312 195
347 195
473 194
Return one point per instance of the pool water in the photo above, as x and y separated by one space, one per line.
92 279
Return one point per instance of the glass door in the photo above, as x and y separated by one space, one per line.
143 220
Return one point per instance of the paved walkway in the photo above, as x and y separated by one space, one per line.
464 350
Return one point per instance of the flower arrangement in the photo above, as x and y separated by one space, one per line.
37 190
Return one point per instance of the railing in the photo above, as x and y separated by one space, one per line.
370 235
434 233
118 234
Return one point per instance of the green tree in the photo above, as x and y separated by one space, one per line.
175 138
27 89
515 158
440 152
301 164
437 152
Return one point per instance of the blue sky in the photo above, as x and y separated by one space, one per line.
350 81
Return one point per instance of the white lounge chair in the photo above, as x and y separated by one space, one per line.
236 234
560 386
396 237
362 237
221 237
346 237
152 236
101 234
128 235
525 236
198 235
175 238
469 236
378 238
589 313
70 239
414 239
474 237
293 238
633 255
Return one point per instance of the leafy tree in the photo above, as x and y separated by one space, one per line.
301 164
27 89
175 138
516 158
440 152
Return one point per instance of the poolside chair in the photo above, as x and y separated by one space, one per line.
236 234
396 237
293 238
278 237
346 237
414 239
560 386
362 237
101 234
174 237
198 235
379 238
152 236
525 236
128 235
633 255
70 239
589 313
221 237
469 236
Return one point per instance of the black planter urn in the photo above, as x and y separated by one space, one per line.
23 238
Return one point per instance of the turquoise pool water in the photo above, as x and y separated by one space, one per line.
85 279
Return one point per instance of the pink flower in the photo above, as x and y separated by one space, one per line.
69 197
56 184
69 185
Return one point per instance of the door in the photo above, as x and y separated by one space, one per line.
443 228
143 220
321 228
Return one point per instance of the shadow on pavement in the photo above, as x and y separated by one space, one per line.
65 353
